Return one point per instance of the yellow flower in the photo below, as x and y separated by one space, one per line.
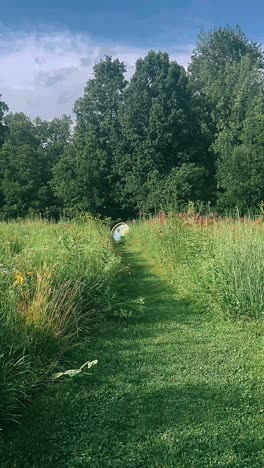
19 278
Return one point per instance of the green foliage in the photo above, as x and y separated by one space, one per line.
54 138
227 71
154 142
221 61
241 168
55 280
176 385
90 159
224 258
161 133
27 157
20 166
237 270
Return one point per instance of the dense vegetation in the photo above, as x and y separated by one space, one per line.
163 138
54 278
223 257
174 315
179 379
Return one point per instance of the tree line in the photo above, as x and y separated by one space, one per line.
157 141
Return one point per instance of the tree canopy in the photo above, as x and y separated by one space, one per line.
156 141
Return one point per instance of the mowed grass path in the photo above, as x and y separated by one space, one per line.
175 386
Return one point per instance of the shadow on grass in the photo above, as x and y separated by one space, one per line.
147 404
161 303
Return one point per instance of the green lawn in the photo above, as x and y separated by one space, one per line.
176 385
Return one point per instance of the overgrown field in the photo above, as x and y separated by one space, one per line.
53 279
223 257
179 379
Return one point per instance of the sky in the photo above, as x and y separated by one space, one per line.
48 47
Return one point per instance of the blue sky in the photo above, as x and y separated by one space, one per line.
135 21
48 48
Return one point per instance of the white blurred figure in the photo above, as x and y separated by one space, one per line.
119 231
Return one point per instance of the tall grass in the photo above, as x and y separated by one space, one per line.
52 277
224 256
236 266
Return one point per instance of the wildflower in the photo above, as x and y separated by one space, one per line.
19 278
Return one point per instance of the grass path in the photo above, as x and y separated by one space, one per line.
174 387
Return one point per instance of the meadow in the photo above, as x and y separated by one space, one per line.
224 256
174 316
54 280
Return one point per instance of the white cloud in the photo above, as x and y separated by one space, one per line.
43 74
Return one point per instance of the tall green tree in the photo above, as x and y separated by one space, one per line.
54 138
161 132
27 157
20 166
241 168
91 157
227 72
217 58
